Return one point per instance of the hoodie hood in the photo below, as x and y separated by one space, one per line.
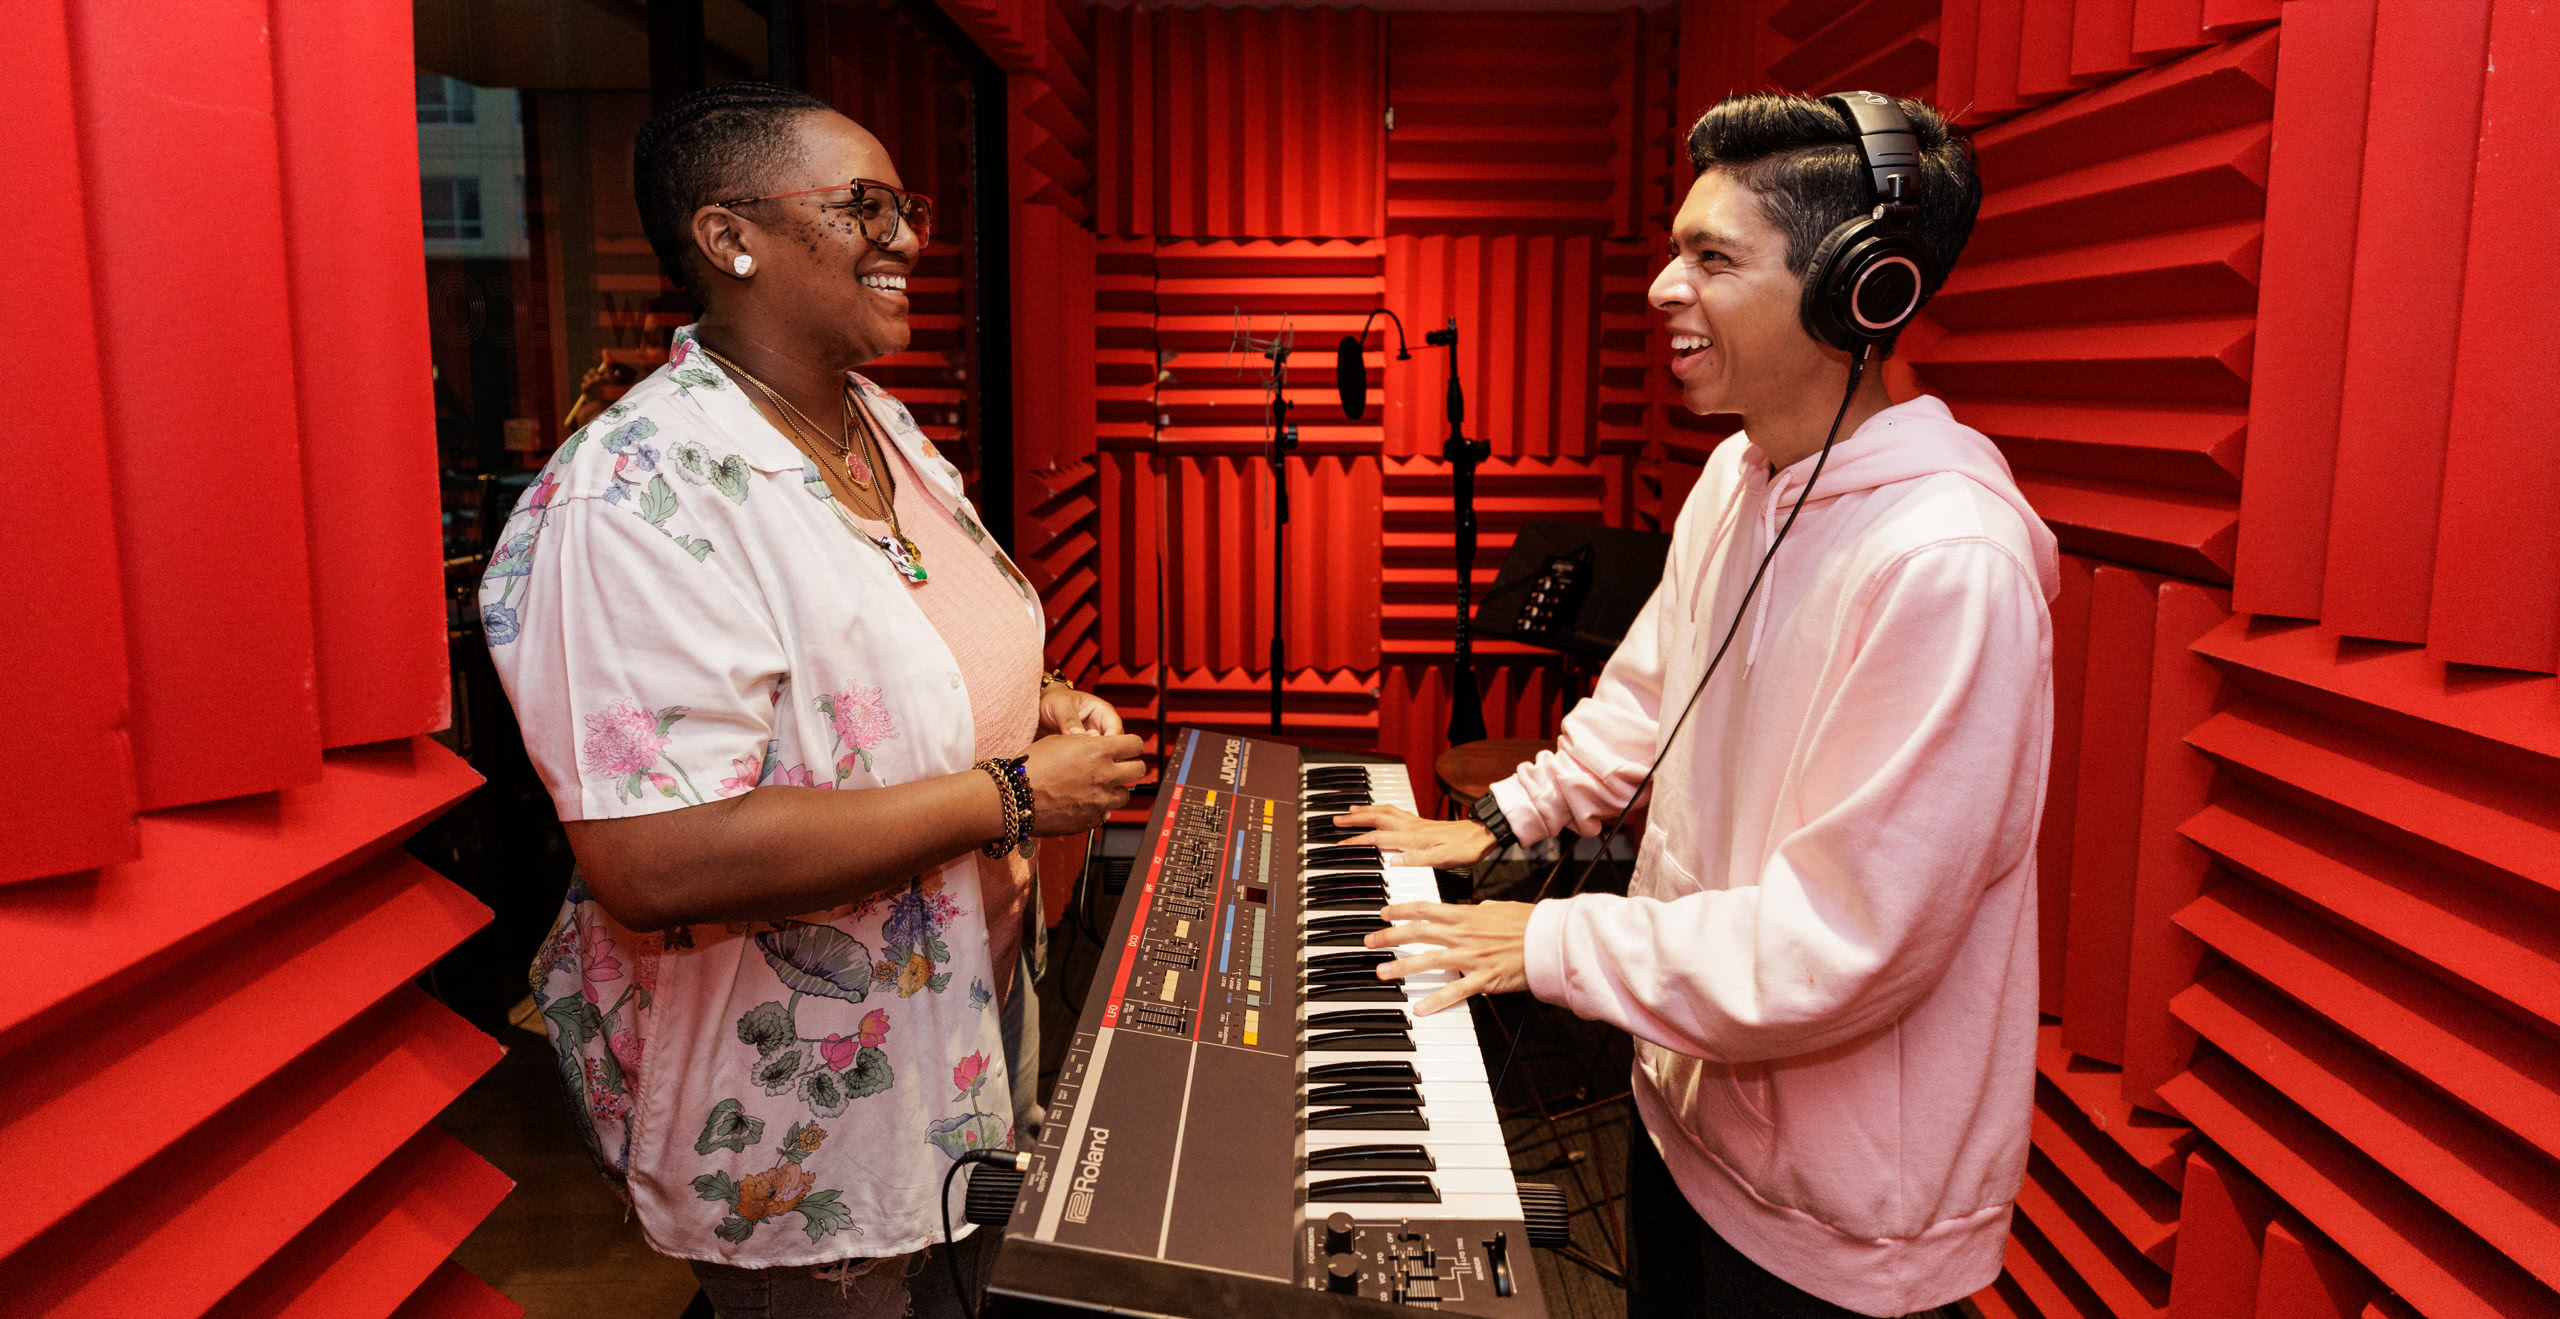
1905 442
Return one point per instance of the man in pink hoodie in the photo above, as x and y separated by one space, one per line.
1827 952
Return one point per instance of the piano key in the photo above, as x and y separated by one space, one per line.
1340 854
1384 1189
1325 1096
1360 1019
1362 1071
1371 1158
1355 992
1364 1041
1368 1119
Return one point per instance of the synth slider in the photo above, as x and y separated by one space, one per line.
1248 1120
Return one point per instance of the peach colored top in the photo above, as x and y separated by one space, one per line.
977 608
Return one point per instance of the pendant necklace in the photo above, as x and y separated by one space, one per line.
861 470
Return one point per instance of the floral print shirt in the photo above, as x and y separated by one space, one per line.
681 611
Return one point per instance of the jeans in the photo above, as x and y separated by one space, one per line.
891 1288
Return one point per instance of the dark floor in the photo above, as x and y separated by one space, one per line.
562 1246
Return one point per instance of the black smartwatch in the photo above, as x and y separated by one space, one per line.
1488 812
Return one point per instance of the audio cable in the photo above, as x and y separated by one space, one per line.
1014 1161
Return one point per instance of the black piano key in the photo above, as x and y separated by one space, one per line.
1365 1092
1365 957
1335 801
1342 975
1342 938
1335 774
1371 1158
1339 854
1328 837
1375 991
1360 1019
1384 1188
1367 1119
1364 1071
1359 1041
1369 897
1349 906
1318 923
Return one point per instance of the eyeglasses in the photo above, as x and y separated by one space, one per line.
879 208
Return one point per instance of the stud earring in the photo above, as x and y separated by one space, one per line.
745 265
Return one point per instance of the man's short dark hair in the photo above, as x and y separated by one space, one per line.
712 145
1801 157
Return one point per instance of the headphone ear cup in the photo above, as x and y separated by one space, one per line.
1828 284
1866 282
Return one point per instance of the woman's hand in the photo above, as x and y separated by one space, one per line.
1417 841
1079 779
1066 710
1483 942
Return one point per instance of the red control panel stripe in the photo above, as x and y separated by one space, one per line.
1138 919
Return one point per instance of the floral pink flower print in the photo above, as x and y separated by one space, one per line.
597 963
543 490
840 1050
970 1073
743 772
623 739
627 1048
860 717
796 776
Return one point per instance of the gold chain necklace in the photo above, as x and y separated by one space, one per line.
900 550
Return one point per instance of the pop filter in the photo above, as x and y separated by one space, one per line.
1351 376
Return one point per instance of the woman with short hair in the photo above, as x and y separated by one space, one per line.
784 691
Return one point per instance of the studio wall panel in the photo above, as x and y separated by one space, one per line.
2412 220
2495 599
69 697
1513 122
1527 308
2101 326
203 575
1241 123
240 429
375 531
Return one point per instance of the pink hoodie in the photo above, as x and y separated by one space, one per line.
1828 954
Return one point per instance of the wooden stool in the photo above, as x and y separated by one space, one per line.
1468 770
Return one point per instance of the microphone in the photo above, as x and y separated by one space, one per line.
1351 366
1351 376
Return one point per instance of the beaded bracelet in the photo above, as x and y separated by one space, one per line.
1013 794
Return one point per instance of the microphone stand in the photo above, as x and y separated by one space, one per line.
1466 702
1284 437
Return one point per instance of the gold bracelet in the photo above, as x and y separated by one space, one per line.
1054 678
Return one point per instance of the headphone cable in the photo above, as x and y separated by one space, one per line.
1857 373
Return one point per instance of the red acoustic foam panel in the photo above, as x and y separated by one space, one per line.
1528 314
1514 122
196 344
2412 223
2496 594
359 332
2107 831
66 693
2222 1229
2304 1277
2131 1286
2100 326
1241 123
1012 32
2137 1205
2158 1143
2170 871
2308 278
2070 612
1887 46
2407 1244
1218 537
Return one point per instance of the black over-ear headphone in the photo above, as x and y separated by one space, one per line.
1869 275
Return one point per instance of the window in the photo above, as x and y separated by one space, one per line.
452 207
445 101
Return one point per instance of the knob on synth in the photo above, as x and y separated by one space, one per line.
992 1188
1544 1213
1342 1272
1338 1229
